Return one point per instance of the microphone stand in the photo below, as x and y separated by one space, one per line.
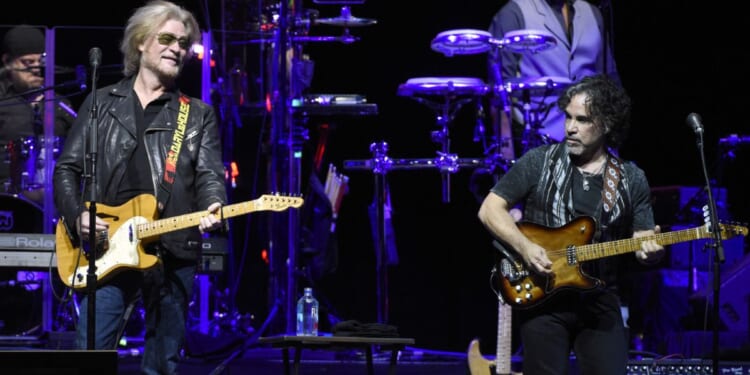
91 278
718 253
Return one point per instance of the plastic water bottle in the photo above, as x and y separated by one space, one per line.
307 314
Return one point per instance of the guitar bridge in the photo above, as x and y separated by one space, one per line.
512 271
571 256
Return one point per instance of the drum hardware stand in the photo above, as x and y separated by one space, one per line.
446 112
380 164
532 128
494 158
286 139
284 170
287 134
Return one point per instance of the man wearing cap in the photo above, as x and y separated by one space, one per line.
21 112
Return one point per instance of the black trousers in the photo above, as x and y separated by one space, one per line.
589 325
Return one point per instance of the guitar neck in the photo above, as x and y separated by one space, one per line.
161 226
605 249
504 333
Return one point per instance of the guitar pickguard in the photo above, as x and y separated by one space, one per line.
121 251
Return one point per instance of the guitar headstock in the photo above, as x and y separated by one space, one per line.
732 230
277 202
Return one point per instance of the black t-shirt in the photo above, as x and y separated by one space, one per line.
138 178
586 202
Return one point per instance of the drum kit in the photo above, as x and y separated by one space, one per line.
26 163
26 159
300 26
447 95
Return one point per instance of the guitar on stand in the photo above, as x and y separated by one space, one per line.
478 364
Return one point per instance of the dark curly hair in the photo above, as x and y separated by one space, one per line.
607 104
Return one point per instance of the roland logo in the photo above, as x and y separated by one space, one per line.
35 242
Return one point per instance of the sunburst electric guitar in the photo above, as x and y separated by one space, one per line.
568 246
133 225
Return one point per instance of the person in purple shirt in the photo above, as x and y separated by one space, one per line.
581 46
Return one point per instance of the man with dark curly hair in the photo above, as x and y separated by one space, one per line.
577 188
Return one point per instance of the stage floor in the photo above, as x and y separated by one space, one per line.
31 355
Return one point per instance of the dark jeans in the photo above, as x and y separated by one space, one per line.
590 325
166 292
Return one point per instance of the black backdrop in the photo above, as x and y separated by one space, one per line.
674 57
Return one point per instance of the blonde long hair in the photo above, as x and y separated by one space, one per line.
144 22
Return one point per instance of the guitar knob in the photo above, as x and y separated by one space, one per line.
528 295
518 301
528 286
518 288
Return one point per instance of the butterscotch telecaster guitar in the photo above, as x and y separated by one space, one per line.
131 226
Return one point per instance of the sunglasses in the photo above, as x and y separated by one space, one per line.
166 39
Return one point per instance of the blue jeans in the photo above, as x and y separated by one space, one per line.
166 291
111 299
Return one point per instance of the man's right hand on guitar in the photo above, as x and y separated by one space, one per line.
536 257
83 225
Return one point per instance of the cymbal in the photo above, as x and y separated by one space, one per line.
346 22
462 42
535 87
528 40
346 19
452 86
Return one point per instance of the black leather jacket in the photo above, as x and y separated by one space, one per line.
199 179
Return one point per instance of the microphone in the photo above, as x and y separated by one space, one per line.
694 121
95 57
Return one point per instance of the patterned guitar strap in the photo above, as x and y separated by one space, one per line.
170 162
612 176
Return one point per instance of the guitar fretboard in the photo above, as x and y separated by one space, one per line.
504 334
605 249
265 203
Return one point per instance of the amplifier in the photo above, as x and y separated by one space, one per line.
213 255
684 367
